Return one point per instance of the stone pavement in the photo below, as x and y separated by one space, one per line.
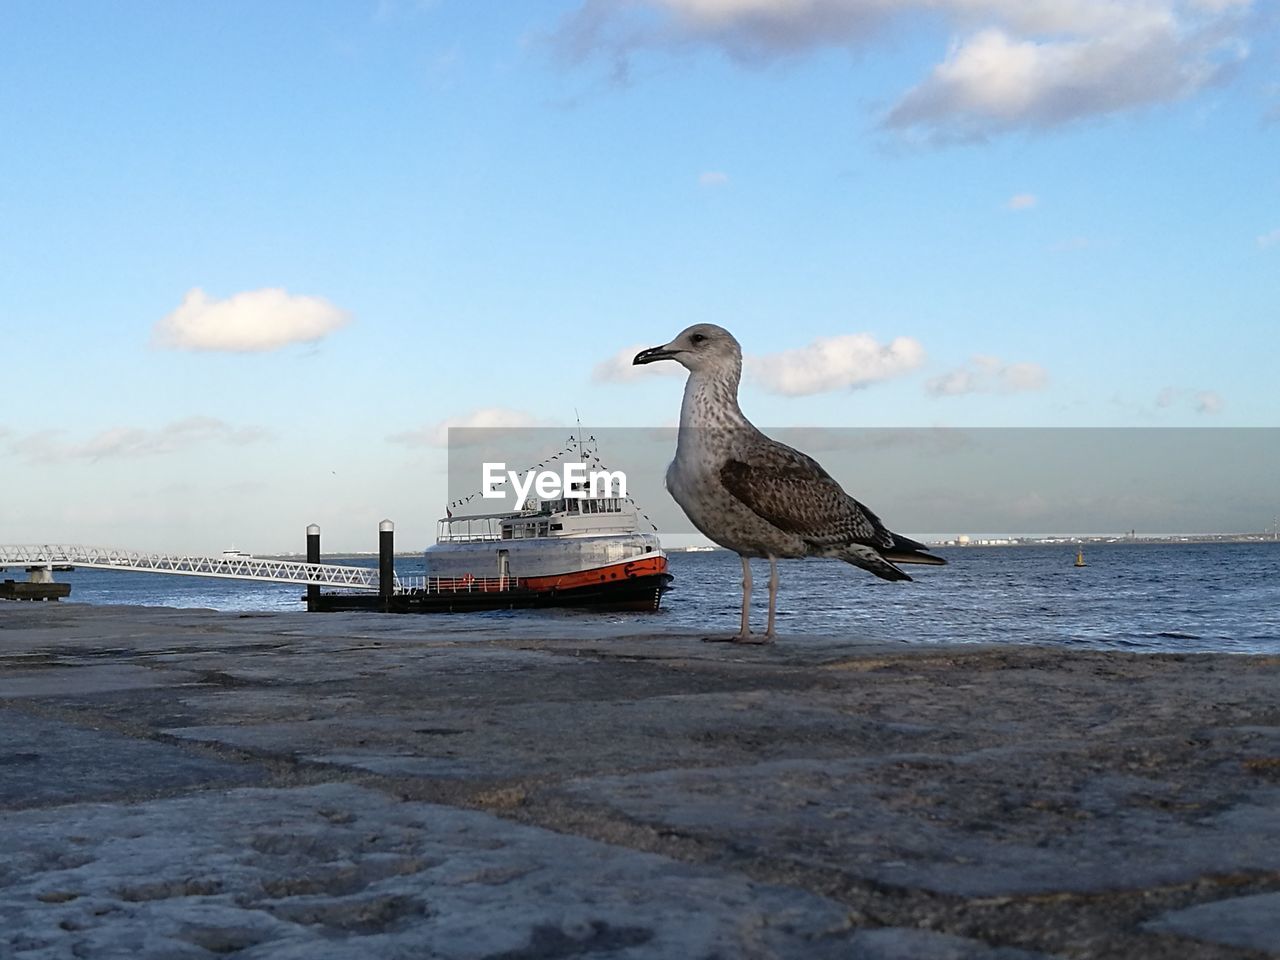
181 783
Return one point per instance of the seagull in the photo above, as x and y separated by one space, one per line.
754 495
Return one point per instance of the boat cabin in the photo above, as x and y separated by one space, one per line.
565 517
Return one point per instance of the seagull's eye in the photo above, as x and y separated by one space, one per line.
698 337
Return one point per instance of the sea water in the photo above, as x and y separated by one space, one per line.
1167 597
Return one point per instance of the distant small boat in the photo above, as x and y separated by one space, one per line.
234 554
1080 558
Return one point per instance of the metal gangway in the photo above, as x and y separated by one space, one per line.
47 555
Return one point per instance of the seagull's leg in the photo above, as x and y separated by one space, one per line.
773 595
744 635
767 636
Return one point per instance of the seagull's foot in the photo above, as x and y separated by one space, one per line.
755 639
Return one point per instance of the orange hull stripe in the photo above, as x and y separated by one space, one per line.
648 567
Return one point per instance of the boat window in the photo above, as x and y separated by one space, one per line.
557 526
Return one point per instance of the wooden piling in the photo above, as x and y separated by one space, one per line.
386 565
313 556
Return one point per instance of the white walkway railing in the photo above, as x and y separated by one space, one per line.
230 568
424 584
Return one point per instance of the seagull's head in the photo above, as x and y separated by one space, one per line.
702 347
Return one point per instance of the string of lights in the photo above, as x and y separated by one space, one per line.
584 449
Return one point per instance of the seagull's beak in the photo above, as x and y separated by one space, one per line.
654 353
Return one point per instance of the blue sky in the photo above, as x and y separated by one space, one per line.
254 256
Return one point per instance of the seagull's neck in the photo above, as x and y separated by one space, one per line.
711 400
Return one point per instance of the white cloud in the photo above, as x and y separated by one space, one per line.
249 322
712 178
619 368
987 374
1203 402
1221 6
1015 64
1022 201
829 363
1209 402
131 442
1270 239
834 363
993 81
484 418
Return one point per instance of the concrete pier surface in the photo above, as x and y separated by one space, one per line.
190 784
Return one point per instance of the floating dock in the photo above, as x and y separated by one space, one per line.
633 593
27 590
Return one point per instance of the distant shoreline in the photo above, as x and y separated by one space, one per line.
1068 541
1062 541
1085 540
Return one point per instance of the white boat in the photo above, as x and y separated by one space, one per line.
587 551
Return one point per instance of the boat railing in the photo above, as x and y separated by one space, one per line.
474 529
463 584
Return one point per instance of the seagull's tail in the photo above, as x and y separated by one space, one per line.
913 556
906 550
871 560
882 562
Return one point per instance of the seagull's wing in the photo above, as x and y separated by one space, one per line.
791 491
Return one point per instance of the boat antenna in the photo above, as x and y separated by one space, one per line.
582 456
